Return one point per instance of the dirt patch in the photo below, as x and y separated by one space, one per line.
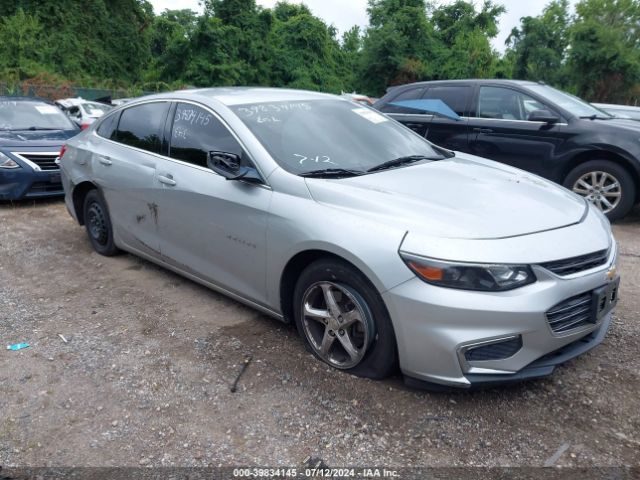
144 377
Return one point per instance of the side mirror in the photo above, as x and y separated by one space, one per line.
228 165
543 116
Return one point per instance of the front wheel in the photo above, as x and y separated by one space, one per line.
606 184
343 319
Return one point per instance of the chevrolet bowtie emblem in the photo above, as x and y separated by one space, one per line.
611 274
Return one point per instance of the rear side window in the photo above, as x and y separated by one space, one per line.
107 127
409 94
141 126
455 96
196 132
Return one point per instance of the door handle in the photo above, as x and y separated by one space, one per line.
167 180
104 160
483 130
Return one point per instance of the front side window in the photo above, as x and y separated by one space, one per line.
506 104
313 135
16 115
456 97
141 126
196 132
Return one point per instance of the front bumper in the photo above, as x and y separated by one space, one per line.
434 325
27 182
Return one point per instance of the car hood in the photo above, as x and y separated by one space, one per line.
464 197
37 138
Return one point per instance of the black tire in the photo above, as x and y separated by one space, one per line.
380 356
98 224
621 174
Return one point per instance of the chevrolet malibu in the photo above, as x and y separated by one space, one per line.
384 249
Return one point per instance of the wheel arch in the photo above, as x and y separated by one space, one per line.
80 192
622 160
295 267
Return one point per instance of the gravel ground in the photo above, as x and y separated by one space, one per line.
143 377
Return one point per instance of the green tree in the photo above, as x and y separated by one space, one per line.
539 45
305 52
464 34
397 46
171 34
604 58
93 38
20 40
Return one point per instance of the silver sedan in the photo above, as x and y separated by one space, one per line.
385 250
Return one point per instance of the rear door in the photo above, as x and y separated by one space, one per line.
125 169
211 227
501 131
410 118
446 132
442 131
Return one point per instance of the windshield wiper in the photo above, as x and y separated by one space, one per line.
396 162
332 172
32 129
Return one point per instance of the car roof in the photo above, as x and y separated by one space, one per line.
9 98
245 95
498 81
72 102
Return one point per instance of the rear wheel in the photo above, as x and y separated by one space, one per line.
98 224
606 184
343 320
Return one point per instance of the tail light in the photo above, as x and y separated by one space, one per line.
63 150
84 126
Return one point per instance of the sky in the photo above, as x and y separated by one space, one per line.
343 14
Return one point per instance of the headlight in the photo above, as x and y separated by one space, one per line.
470 276
6 162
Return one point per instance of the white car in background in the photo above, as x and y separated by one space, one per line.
620 111
82 112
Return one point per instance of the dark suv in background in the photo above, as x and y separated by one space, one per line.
533 127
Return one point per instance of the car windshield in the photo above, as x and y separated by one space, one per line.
570 103
317 135
30 115
94 109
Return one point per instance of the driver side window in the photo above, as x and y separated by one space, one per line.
506 104
196 132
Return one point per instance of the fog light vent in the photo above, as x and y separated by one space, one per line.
494 351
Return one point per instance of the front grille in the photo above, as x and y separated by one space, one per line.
46 161
494 351
572 313
577 264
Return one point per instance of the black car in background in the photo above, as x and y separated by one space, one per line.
533 127
32 132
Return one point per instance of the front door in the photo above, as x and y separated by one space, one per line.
500 130
211 227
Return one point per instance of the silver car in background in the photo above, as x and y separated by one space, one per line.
384 249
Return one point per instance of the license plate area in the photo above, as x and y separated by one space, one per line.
604 299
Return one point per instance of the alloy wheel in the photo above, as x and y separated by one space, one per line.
600 188
337 324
